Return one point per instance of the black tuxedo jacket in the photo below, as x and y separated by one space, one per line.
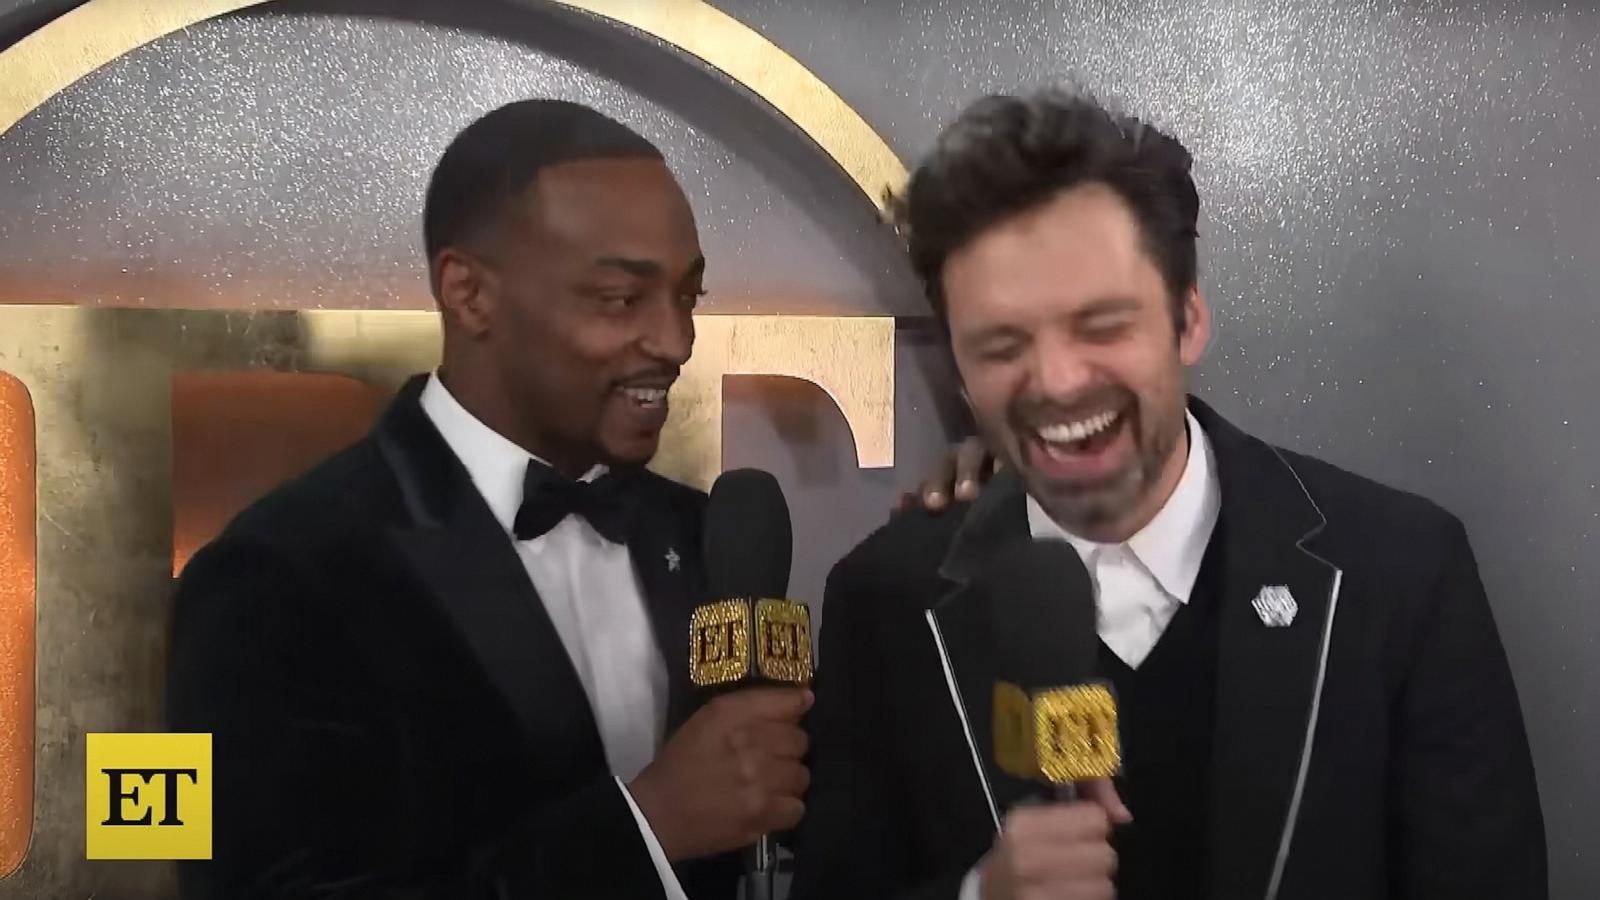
394 715
1373 748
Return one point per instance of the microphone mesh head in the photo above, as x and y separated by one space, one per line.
1041 610
749 542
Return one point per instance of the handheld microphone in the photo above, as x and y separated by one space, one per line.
749 634
1053 725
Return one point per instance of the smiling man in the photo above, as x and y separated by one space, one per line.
1314 701
451 662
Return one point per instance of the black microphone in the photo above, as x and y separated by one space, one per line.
1054 724
749 633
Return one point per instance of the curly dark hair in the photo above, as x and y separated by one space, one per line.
1007 155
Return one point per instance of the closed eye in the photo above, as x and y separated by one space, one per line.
1000 351
1103 330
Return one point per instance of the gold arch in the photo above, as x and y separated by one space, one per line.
78 42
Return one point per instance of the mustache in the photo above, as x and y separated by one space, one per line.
662 376
1029 411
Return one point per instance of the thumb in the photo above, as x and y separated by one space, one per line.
777 704
1104 792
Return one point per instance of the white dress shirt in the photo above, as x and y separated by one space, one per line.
1140 584
592 595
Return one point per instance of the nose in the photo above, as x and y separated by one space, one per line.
1060 371
669 335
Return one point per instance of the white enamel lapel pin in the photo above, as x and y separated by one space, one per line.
673 560
1276 606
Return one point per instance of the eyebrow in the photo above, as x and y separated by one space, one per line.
640 268
990 333
1108 305
647 268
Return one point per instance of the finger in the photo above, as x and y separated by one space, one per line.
1059 823
778 740
1104 792
773 704
783 814
1081 864
936 488
785 779
1099 889
972 464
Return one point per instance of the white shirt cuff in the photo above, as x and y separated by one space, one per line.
971 886
669 878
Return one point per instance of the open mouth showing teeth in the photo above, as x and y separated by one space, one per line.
649 398
1080 435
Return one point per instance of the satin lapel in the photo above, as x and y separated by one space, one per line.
959 625
456 548
1269 677
667 559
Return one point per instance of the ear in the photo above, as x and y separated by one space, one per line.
1196 333
463 287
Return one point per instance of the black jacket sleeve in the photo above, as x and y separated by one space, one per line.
1465 806
310 796
855 842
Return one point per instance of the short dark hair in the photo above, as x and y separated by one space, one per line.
489 163
1007 155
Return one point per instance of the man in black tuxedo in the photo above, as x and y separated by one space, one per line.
1314 701
451 662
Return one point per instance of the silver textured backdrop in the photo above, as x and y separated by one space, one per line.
1400 232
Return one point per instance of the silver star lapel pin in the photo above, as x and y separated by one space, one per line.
673 560
1276 606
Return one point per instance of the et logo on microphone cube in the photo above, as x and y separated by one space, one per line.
149 796
732 640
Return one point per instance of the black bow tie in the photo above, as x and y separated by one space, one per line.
548 497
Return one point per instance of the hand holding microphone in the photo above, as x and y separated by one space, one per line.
1053 728
733 772
1057 850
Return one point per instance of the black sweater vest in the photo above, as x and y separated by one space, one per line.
1165 712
